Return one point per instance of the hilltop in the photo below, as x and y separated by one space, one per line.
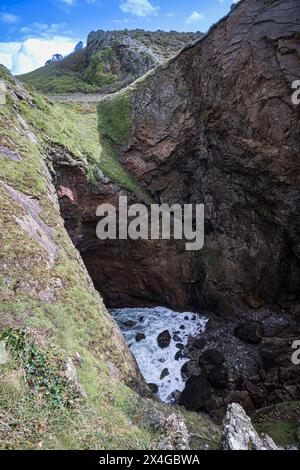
111 59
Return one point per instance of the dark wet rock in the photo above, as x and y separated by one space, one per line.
164 339
182 327
179 346
250 332
243 398
270 352
177 338
218 376
176 395
139 337
186 318
256 393
153 387
130 323
196 393
164 373
211 324
210 358
198 343
186 369
179 355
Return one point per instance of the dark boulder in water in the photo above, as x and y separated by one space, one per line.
129 323
164 373
139 337
164 339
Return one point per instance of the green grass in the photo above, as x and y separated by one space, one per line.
66 76
96 73
72 126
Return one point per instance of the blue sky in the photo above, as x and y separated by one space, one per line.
32 30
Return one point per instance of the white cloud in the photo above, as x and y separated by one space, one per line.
45 30
33 52
139 7
194 17
9 18
7 51
170 15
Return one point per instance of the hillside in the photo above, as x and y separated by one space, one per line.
110 60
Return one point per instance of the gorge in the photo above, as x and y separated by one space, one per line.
213 125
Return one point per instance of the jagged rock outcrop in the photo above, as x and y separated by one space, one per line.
239 433
130 54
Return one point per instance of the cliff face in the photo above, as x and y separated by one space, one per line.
217 125
130 54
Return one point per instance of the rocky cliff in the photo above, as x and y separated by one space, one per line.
217 125
111 60
67 378
214 125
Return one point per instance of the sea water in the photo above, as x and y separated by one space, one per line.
151 358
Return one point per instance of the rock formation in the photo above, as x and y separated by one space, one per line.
239 434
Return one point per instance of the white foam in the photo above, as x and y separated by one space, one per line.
150 357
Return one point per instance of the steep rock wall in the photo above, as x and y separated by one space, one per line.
217 125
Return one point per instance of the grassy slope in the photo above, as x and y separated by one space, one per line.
49 312
75 127
61 77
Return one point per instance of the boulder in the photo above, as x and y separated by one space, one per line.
164 339
243 398
250 332
218 376
179 355
196 392
239 433
198 343
210 358
153 387
129 323
164 373
177 338
139 337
